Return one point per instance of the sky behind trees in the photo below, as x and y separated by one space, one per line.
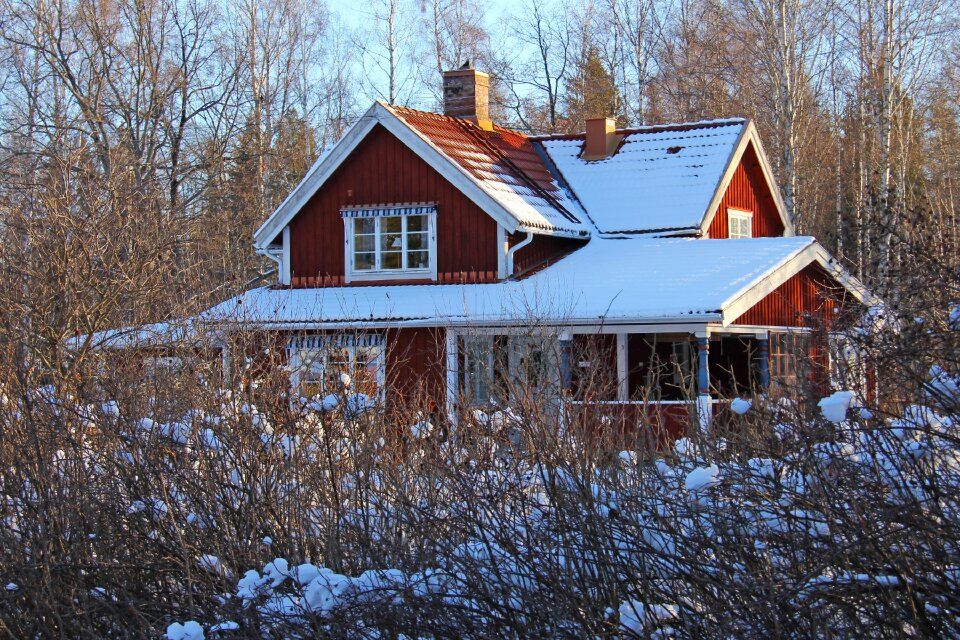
167 130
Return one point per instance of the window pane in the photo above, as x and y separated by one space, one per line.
740 226
478 368
416 241
391 242
418 260
364 225
391 224
364 261
338 361
366 370
364 243
391 260
416 223
311 365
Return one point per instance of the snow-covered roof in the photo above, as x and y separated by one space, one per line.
157 334
660 178
640 279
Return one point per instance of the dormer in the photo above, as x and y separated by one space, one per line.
671 180
411 197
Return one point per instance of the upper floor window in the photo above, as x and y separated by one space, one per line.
739 224
391 242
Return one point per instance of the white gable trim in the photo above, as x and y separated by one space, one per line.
311 183
748 136
381 113
744 300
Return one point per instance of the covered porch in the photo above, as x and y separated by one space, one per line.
649 381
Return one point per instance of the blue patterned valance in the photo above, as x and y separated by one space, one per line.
379 211
333 340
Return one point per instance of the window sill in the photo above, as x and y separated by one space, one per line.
371 276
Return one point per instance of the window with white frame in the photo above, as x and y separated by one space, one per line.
336 363
534 366
390 242
499 368
739 224
479 364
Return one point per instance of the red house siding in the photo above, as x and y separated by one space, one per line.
748 190
383 170
810 299
416 369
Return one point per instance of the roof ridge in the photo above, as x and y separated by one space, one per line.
466 122
653 128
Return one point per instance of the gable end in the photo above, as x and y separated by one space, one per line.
382 170
756 175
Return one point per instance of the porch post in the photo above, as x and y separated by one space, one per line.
764 349
566 373
704 406
453 374
226 363
623 369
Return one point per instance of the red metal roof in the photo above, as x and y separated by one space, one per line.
504 163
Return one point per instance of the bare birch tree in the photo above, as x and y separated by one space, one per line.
545 49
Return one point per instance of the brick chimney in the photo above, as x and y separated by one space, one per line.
602 138
466 94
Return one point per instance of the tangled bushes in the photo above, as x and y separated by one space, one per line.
215 518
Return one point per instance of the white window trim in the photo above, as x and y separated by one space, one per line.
352 275
739 214
323 345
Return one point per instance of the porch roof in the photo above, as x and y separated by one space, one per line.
610 280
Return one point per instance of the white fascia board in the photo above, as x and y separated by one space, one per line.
747 136
314 179
745 299
844 277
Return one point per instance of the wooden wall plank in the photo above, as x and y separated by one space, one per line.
416 370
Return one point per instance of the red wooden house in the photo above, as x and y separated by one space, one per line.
446 254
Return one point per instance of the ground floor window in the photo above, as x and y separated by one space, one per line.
322 364
479 366
789 361
661 366
501 368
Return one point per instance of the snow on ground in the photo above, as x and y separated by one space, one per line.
740 405
834 407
